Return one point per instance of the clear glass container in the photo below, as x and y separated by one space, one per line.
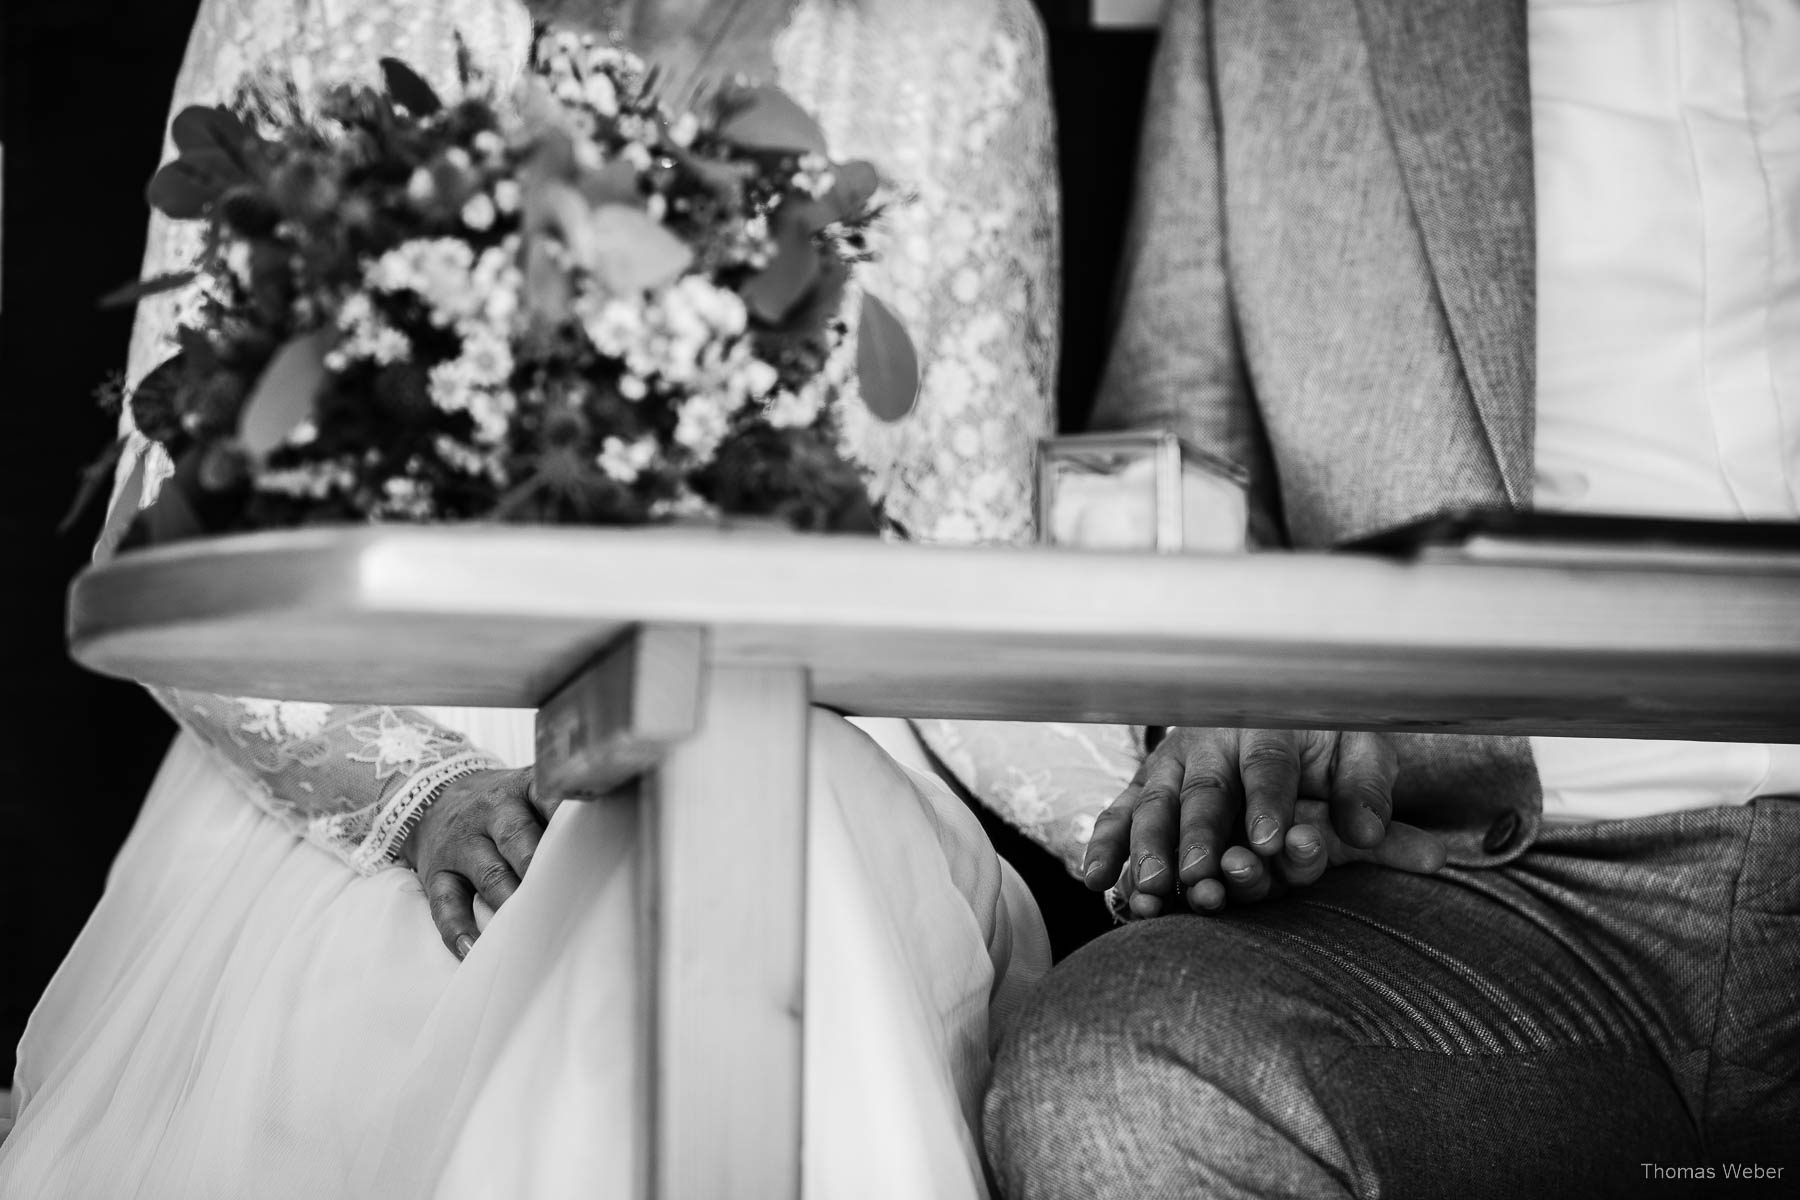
1139 491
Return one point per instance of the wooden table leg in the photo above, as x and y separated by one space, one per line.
728 889
720 755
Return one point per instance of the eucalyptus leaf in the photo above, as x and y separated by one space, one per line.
284 395
182 192
408 89
155 403
887 366
199 129
767 118
614 183
856 184
724 179
627 251
774 291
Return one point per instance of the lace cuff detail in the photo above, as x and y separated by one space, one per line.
400 814
1049 781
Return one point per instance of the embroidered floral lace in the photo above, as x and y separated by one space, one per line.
949 99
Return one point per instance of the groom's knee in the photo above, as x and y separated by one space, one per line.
1168 1058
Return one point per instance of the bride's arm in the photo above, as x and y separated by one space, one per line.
352 779
974 265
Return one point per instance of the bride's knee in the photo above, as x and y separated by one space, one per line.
1163 1059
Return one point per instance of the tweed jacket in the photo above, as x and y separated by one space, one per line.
1329 280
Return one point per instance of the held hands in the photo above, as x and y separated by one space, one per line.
478 836
1241 815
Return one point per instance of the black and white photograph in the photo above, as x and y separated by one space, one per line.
900 599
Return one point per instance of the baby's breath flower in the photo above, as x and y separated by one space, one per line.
601 95
437 269
624 461
700 425
489 145
794 410
479 213
406 499
757 378
684 503
814 175
237 261
368 336
310 481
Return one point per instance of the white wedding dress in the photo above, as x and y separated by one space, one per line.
260 1005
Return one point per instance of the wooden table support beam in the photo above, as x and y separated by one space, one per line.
728 893
720 755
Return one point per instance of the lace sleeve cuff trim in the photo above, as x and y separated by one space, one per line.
401 813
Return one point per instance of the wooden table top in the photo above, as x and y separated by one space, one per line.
501 616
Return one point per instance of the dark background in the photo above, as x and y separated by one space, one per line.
86 87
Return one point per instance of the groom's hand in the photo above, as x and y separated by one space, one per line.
1243 814
478 837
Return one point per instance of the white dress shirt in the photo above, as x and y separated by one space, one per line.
1667 142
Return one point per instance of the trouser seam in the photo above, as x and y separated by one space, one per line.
1725 964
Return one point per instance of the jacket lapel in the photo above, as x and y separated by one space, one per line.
1452 76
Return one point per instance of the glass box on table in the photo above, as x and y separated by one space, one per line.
1139 491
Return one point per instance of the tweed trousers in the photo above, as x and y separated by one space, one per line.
1614 1011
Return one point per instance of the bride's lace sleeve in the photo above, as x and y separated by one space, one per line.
351 779
951 100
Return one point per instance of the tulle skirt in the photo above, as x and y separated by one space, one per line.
242 1016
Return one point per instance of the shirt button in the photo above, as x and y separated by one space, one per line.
1500 833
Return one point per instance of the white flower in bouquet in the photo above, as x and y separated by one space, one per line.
701 423
368 337
405 500
480 212
571 305
486 355
437 270
795 410
624 461
616 327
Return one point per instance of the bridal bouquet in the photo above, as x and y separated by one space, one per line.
567 305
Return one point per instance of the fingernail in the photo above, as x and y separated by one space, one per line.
1094 872
1304 849
1240 872
1150 870
1262 829
464 944
1195 856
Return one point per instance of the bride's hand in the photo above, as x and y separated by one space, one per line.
1241 815
478 836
